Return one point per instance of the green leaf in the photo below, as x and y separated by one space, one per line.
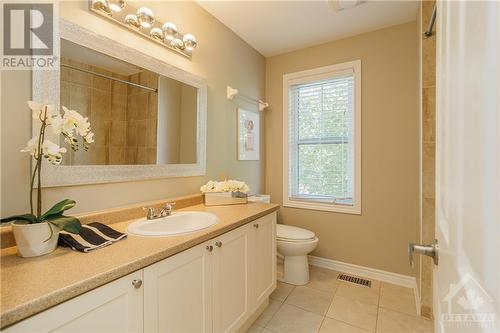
66 223
25 217
58 208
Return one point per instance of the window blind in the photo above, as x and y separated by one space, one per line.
321 146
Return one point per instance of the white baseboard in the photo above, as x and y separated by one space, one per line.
370 273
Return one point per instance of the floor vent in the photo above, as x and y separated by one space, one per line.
355 280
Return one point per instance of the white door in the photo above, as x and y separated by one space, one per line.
263 272
467 280
114 307
178 292
231 279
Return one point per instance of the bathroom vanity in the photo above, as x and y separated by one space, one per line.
217 285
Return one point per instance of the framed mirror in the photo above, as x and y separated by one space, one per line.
148 117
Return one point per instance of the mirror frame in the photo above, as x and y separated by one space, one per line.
46 87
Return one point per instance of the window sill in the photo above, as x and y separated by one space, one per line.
327 207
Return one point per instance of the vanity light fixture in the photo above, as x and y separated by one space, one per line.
132 20
170 30
116 5
145 17
143 22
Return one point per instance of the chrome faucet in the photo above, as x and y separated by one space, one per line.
168 209
165 211
151 213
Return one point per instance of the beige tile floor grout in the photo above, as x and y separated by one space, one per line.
328 305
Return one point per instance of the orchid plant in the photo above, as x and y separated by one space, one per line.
70 125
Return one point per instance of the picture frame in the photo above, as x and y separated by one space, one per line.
248 135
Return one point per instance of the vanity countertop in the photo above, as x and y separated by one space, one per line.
31 285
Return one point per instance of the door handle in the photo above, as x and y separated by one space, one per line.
430 250
218 244
209 248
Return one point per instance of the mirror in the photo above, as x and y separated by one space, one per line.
138 116
149 117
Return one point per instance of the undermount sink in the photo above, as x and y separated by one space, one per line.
176 224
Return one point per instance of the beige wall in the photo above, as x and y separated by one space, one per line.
390 145
221 58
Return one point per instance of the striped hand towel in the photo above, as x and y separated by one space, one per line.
92 236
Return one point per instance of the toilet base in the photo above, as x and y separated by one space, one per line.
296 270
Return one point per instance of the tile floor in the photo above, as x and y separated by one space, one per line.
328 305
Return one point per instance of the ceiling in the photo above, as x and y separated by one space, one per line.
275 27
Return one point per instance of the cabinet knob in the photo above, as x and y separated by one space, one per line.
256 226
218 244
137 284
209 248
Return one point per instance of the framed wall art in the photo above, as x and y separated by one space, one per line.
248 135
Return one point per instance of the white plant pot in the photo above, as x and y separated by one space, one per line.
31 239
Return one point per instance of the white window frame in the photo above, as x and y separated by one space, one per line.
308 76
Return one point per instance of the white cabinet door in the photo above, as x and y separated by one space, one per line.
231 279
178 292
114 307
263 271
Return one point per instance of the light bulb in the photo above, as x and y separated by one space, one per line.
156 33
189 42
132 20
145 17
170 30
116 5
177 43
101 5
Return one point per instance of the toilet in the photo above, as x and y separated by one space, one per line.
294 244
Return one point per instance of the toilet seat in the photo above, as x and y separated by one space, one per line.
290 233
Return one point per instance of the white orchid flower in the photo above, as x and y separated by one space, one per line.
52 152
83 127
56 124
32 147
73 121
89 138
70 121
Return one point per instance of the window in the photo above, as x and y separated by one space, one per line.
322 138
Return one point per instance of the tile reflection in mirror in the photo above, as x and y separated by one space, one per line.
139 117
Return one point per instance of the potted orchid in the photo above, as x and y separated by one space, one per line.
36 233
227 192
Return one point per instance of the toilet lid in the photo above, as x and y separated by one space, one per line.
293 233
